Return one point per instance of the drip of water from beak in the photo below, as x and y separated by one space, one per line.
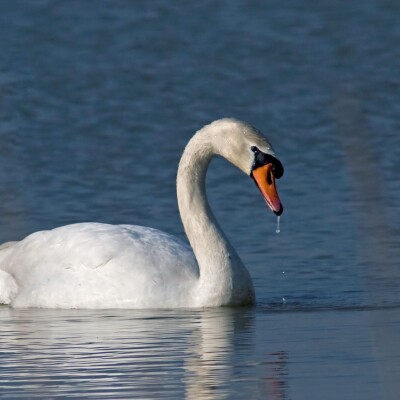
278 220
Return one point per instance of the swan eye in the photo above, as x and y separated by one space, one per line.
255 150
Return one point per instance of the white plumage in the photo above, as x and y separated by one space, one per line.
93 265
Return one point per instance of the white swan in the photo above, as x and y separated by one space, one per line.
92 265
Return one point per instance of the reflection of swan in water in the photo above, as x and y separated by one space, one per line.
106 266
208 370
193 354
135 352
225 351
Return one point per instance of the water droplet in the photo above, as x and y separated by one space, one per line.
283 300
278 230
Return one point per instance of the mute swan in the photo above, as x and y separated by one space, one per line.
93 265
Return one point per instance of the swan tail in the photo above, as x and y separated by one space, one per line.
8 288
8 285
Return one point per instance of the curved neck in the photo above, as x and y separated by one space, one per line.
223 278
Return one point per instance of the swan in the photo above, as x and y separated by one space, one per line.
96 265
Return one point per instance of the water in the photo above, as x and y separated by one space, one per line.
96 105
223 353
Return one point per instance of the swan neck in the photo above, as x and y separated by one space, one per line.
223 278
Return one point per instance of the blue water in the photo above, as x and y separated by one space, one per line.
97 100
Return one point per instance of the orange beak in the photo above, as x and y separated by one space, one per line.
265 180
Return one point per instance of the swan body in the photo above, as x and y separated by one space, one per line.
94 265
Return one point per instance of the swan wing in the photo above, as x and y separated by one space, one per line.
95 265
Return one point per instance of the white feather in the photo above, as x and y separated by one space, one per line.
92 265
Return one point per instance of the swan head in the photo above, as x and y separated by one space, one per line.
249 150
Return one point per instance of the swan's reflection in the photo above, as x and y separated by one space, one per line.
208 370
203 354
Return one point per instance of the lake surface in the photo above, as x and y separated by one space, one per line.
97 101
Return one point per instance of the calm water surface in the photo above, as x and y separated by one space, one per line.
208 354
97 100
